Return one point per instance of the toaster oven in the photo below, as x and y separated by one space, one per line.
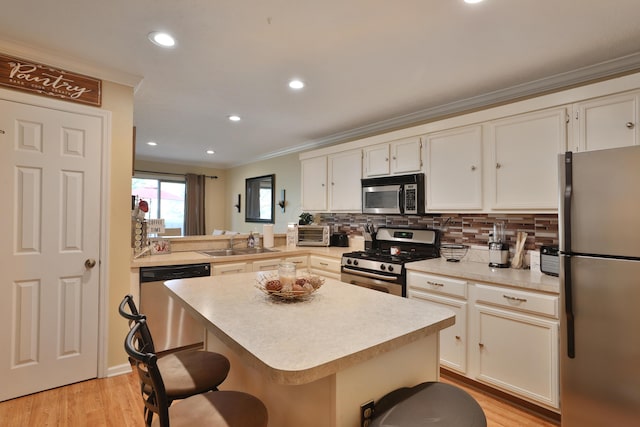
549 260
313 235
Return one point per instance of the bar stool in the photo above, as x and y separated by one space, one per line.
214 408
428 404
185 373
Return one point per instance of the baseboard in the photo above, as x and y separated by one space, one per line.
113 371
498 394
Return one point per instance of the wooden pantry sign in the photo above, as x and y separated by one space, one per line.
28 76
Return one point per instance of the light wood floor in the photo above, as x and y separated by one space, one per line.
115 402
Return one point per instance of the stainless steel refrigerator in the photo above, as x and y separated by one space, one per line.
600 288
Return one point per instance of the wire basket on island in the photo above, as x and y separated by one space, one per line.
453 252
289 289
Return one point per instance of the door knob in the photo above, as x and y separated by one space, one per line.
630 125
90 263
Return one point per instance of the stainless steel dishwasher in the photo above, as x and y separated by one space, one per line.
171 326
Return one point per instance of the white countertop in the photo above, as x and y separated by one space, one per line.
470 268
480 271
193 257
299 342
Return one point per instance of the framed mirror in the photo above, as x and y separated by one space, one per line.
260 199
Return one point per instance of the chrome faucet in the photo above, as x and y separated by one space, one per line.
232 241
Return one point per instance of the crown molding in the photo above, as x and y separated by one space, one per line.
64 61
580 76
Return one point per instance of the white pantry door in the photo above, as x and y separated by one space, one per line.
50 220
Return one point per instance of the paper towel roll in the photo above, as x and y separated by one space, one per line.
267 235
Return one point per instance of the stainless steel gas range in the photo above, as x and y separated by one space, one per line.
382 267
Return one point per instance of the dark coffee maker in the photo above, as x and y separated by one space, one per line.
498 249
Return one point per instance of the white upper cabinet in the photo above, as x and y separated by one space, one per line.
345 172
314 184
394 158
607 122
524 159
500 159
454 169
332 183
406 156
376 160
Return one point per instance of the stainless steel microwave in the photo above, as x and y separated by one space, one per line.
401 194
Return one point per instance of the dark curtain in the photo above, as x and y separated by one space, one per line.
194 209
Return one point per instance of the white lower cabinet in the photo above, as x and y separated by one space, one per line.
515 344
503 337
301 262
325 266
266 264
447 293
453 340
518 353
230 268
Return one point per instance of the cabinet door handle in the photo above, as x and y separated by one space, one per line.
458 337
630 125
480 345
324 264
498 165
510 298
434 283
473 167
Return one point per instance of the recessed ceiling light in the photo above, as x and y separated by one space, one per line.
151 143
472 1
234 118
162 39
296 84
210 152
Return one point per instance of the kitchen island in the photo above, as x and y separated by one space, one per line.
315 361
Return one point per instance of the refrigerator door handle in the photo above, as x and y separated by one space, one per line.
568 308
568 297
568 193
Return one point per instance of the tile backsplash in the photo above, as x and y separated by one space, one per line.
470 229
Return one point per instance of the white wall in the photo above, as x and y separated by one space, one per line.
287 171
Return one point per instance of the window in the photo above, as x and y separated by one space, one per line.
166 199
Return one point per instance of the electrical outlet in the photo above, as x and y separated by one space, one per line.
366 413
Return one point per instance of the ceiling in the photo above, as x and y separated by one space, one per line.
368 65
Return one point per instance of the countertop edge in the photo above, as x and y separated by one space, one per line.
464 270
303 374
481 272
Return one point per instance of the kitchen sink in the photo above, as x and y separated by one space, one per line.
240 251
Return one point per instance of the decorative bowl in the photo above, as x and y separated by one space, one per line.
303 286
453 252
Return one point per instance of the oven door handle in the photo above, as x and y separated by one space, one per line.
367 274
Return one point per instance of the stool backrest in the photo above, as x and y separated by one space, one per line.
152 386
129 311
